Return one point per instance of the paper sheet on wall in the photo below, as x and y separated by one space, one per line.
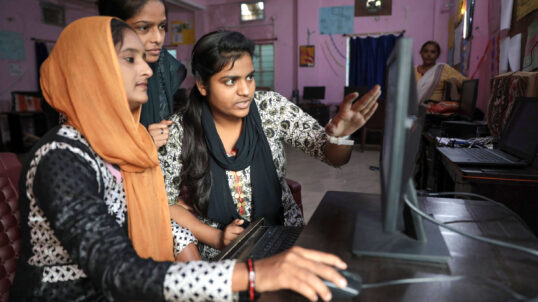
530 60
503 57
12 46
458 35
514 53
506 13
336 20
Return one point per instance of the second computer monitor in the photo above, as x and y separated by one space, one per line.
469 91
314 93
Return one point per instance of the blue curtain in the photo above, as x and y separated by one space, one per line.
41 53
367 62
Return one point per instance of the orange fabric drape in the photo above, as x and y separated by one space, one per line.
82 79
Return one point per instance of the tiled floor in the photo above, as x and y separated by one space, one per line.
316 177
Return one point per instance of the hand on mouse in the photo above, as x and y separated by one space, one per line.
300 270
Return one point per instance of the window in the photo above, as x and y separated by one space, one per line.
264 61
251 11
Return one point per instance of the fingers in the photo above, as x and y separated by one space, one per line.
367 99
367 115
318 256
300 270
159 132
348 99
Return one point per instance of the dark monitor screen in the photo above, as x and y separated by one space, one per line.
362 90
314 92
469 90
395 231
519 136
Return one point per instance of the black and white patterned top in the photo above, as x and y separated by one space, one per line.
282 122
75 240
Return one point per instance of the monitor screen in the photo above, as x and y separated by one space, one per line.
469 90
395 231
314 92
362 90
519 136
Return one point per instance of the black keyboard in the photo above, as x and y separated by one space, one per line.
275 239
258 241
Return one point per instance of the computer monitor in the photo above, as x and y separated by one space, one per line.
392 230
362 90
469 91
313 92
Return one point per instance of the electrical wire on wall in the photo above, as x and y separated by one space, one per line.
328 61
335 47
332 56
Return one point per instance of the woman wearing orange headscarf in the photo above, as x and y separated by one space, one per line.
94 214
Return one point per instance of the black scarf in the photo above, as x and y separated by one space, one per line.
252 150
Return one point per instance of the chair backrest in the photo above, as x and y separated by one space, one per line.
10 236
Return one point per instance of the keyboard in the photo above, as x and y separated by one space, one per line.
487 155
258 241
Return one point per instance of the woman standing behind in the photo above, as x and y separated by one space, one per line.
225 156
431 76
149 20
94 217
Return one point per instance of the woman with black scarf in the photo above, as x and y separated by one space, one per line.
225 157
149 20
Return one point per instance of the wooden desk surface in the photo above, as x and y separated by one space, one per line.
331 230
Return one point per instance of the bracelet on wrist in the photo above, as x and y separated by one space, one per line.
341 141
251 278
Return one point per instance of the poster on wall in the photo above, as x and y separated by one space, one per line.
525 7
336 20
182 33
306 56
12 46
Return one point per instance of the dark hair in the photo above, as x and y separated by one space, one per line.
431 42
117 28
124 9
210 55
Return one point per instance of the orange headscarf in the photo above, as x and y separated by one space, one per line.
82 79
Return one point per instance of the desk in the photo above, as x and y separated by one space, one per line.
515 187
331 228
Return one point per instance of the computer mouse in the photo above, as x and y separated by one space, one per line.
354 283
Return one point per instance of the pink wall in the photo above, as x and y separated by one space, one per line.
23 16
415 17
292 20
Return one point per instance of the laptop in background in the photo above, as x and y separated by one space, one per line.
518 144
259 241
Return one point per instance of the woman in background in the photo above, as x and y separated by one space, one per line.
94 217
149 20
225 156
432 77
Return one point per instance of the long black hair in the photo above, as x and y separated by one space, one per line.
210 55
124 9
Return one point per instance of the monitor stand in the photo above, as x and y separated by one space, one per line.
370 239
